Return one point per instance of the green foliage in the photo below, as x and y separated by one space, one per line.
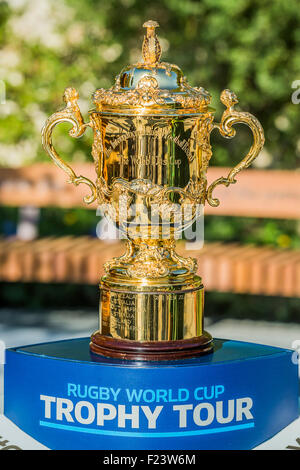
49 296
248 45
226 305
53 222
281 234
61 222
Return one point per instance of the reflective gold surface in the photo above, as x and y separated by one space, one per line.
151 151
140 313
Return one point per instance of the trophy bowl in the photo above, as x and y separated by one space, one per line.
151 151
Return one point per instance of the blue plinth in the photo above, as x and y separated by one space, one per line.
66 398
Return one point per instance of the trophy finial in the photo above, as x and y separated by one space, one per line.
151 47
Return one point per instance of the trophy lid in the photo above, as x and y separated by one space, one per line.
151 86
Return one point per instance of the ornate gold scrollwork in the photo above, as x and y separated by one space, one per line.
229 118
151 260
147 258
152 192
147 93
71 113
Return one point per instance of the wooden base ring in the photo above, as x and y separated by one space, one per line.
150 350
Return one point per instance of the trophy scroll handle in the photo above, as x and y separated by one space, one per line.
229 118
71 113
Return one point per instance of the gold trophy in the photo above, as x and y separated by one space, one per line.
151 151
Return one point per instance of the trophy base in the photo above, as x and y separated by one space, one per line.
150 317
151 350
67 398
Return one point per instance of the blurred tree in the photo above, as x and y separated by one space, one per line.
248 45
